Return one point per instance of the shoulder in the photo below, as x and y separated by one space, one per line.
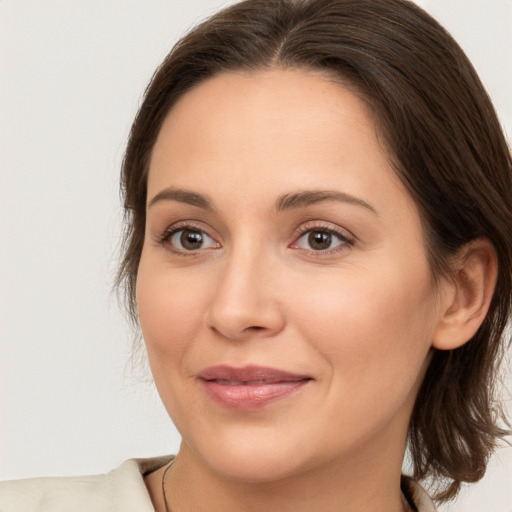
122 490
416 495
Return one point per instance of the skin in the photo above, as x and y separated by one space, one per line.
359 318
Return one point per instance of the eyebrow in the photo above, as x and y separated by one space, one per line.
182 196
310 197
284 202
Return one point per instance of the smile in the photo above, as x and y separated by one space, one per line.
250 387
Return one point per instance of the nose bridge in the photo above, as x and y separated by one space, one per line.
244 300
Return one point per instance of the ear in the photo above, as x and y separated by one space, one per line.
467 295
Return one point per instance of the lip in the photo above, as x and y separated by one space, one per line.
250 387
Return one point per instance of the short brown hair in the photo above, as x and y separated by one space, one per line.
447 147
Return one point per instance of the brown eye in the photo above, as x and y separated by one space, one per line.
191 240
319 240
188 239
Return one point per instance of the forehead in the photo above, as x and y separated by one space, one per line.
288 105
281 127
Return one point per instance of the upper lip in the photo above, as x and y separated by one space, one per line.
251 373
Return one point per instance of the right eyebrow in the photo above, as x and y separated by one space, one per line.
182 196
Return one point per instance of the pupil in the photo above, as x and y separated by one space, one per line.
320 240
191 239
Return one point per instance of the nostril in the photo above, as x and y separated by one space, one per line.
241 320
255 328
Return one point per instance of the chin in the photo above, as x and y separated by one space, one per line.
252 461
261 469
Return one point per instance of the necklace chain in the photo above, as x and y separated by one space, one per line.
164 476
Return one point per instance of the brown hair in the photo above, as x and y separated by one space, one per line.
447 147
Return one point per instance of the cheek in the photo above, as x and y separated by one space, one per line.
373 328
169 310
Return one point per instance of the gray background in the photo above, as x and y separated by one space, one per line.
72 74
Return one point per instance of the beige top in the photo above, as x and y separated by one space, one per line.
121 490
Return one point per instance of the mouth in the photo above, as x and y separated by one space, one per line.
250 387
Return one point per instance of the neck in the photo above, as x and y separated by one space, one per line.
352 485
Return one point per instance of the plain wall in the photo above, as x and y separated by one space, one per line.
72 75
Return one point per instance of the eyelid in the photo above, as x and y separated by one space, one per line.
164 238
343 234
324 225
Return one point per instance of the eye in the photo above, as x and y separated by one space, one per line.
321 240
189 239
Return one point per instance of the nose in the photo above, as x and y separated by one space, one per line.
245 302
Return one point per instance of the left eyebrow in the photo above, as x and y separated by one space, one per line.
310 197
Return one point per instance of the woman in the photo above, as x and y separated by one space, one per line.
318 251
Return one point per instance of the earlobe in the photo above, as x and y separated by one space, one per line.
467 295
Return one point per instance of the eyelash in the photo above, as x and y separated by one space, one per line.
165 239
346 240
310 227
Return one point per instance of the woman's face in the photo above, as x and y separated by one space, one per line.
283 289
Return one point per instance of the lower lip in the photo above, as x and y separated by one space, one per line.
248 397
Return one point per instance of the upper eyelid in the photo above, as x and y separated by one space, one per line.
320 225
336 234
192 224
173 232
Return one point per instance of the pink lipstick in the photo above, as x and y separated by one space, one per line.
250 387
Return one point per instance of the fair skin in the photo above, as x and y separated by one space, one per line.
331 285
